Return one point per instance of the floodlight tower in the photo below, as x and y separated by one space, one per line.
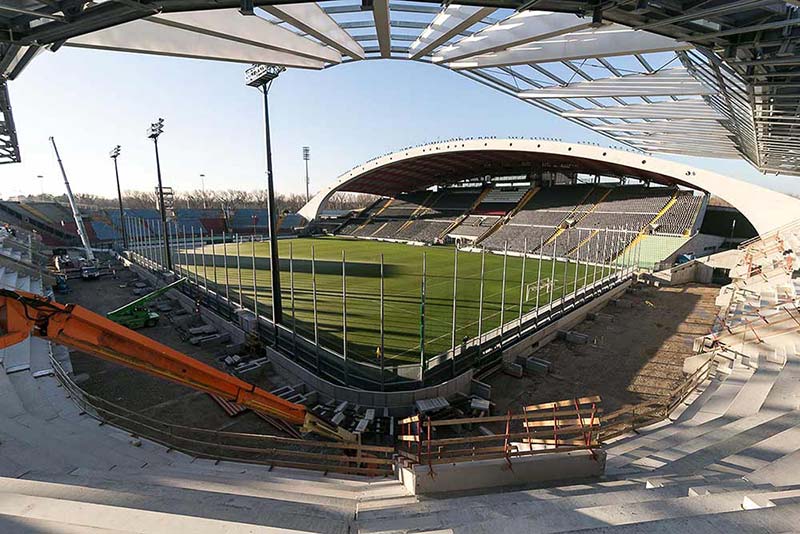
262 76
114 154
306 157
155 130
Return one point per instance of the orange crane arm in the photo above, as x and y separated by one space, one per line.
23 314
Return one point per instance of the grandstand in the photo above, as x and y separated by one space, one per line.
519 335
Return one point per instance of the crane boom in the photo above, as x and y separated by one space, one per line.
76 214
23 314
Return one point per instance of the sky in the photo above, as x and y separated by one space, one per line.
91 101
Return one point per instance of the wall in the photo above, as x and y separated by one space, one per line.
524 347
399 402
485 474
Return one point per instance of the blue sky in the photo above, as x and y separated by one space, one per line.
92 100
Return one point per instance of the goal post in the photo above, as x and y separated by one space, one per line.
543 288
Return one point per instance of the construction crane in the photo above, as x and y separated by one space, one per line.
90 267
23 314
136 314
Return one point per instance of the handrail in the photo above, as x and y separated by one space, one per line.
263 449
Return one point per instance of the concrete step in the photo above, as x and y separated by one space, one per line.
763 453
26 525
169 500
33 400
246 484
10 404
777 520
753 394
713 447
556 518
73 449
457 511
110 517
784 471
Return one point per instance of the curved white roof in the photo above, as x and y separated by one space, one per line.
450 161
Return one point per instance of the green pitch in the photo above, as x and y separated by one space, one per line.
402 291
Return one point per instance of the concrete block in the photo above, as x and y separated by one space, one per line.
513 369
576 337
481 389
622 303
537 365
481 474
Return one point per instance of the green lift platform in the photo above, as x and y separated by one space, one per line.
136 314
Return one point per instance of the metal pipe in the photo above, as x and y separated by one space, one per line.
314 303
255 282
522 283
503 292
344 316
239 269
480 302
291 297
382 348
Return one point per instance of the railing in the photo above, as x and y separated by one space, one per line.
548 428
335 457
631 418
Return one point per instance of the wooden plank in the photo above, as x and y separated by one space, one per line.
566 431
504 418
407 420
549 424
562 404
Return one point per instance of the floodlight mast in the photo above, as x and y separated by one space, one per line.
114 154
75 212
155 130
262 76
306 157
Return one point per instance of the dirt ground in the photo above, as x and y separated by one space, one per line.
149 395
634 353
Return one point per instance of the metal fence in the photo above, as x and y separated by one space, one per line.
335 457
218 284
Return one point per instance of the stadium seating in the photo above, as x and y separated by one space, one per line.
681 217
564 216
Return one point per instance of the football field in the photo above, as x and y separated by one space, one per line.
402 274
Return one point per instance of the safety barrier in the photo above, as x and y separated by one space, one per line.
334 457
547 428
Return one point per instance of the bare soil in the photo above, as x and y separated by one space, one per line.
634 353
146 394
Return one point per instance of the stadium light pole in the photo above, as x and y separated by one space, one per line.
114 154
262 76
306 157
155 130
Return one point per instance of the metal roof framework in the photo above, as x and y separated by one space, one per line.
714 78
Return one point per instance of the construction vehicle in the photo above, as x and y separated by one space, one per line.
136 314
90 268
23 314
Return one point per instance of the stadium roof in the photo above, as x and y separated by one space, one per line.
449 162
694 77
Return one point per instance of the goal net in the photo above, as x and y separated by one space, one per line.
542 288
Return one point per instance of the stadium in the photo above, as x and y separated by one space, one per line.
504 334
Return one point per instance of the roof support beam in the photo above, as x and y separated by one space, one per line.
613 40
311 19
521 28
451 21
682 109
146 37
667 82
380 13
230 24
